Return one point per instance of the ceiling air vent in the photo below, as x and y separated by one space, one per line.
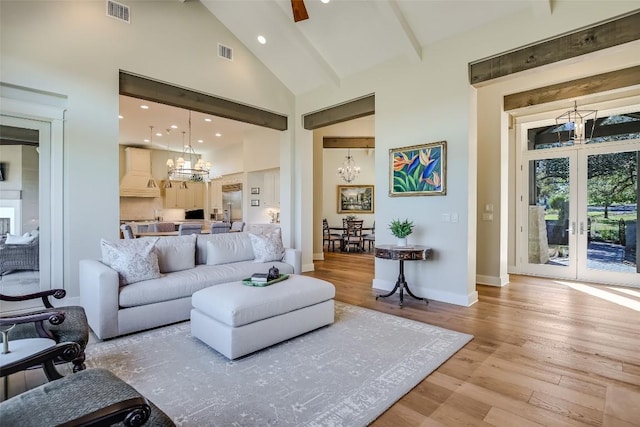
225 52
118 11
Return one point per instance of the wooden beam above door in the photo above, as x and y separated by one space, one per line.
612 33
574 88
348 142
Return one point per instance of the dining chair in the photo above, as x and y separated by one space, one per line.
189 228
161 227
237 226
127 232
353 236
370 238
328 237
220 227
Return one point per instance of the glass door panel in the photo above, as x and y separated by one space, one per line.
608 235
550 230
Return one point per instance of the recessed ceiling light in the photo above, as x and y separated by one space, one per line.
200 141
120 116
207 119
144 107
262 40
145 140
174 126
325 1
158 134
218 134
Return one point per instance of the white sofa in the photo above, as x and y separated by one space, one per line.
114 309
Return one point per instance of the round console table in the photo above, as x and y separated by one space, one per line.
402 254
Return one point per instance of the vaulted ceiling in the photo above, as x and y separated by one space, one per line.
343 37
340 38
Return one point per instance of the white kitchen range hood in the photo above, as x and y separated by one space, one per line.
137 180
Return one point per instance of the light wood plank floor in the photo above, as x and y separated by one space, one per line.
544 353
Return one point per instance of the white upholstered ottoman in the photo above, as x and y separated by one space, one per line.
237 319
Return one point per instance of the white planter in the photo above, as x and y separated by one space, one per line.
402 241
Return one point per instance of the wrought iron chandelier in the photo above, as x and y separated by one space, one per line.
575 123
348 171
189 166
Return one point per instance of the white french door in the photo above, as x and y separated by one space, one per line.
578 209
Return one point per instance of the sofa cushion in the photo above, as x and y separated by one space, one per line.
223 248
267 247
176 253
133 259
182 284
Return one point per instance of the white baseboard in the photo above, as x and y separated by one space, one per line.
448 297
318 256
491 280
307 267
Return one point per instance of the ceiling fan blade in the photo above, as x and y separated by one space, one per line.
299 10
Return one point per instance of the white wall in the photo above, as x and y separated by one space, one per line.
73 49
433 101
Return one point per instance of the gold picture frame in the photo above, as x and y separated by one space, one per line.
356 199
418 170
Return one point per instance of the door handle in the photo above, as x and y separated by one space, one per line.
572 228
581 227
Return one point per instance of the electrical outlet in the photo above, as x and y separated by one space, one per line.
446 217
487 217
454 217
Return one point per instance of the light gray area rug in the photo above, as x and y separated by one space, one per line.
344 374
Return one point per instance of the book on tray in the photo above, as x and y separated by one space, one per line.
259 277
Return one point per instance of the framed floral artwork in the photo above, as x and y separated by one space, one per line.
419 170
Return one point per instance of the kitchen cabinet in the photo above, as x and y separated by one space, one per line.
271 189
216 194
191 197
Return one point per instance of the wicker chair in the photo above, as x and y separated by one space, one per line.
20 257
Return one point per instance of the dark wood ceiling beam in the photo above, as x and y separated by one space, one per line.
348 142
153 90
574 89
355 109
612 33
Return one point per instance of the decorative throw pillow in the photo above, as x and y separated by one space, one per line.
19 240
267 247
134 259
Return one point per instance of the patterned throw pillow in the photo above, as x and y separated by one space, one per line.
267 247
134 260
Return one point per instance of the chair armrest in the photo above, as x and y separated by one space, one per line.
134 411
55 317
100 297
293 257
56 293
65 350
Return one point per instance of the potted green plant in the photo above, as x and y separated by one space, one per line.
401 229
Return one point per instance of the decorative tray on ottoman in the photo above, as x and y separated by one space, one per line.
250 282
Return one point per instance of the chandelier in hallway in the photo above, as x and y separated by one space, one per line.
348 171
575 123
